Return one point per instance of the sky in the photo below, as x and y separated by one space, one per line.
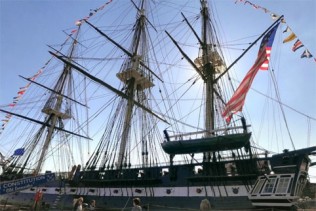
27 27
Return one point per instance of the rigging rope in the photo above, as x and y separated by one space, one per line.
283 104
281 107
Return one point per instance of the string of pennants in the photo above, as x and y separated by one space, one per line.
92 13
16 99
292 36
22 90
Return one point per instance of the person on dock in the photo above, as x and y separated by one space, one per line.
205 205
92 205
37 200
136 205
78 204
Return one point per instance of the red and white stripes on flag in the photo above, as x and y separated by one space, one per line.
237 101
265 64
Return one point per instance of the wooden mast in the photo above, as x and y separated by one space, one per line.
209 63
53 109
136 80
208 70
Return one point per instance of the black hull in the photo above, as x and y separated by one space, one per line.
179 186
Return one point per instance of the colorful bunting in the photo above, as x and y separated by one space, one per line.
17 98
92 12
298 44
287 29
306 54
274 16
23 89
291 37
256 6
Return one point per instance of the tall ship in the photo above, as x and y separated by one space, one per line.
144 99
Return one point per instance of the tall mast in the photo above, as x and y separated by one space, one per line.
208 70
209 63
53 109
135 78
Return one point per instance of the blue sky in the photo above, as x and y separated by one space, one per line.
28 26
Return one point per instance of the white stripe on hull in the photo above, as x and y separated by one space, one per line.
271 204
195 191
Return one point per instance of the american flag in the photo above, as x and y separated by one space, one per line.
237 101
266 45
